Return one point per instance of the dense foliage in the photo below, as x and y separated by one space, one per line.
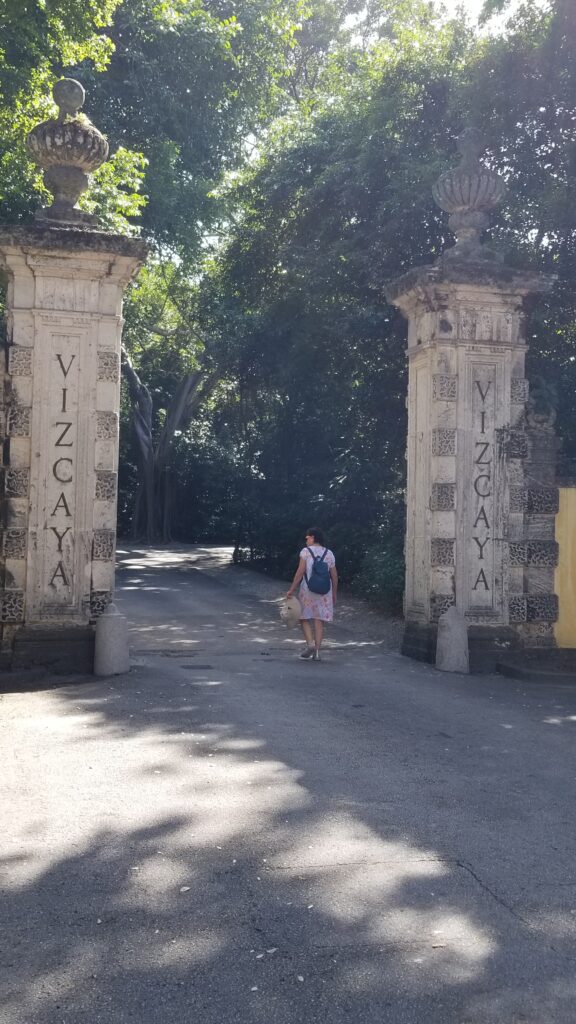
338 202
286 151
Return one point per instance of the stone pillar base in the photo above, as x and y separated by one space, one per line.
419 642
488 645
60 649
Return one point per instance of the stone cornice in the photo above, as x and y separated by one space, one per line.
71 240
421 283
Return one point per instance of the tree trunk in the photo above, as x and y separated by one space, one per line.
152 518
166 506
143 517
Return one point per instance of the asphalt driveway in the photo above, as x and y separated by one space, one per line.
228 834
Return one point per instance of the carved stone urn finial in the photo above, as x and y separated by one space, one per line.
468 193
68 147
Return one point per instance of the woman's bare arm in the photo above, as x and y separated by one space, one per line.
334 578
298 575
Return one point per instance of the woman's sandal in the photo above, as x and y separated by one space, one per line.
308 653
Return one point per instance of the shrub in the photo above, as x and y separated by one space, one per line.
381 578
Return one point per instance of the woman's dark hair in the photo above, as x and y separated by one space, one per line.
313 531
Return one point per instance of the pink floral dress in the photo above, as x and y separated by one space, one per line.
316 606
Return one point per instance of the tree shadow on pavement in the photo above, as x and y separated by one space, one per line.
177 863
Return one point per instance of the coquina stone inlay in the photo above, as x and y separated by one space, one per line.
516 499
541 607
17 482
105 485
14 543
444 387
512 443
443 498
108 366
103 545
106 426
542 552
440 603
541 500
20 361
444 441
11 606
517 553
442 552
534 552
517 609
19 420
99 601
519 390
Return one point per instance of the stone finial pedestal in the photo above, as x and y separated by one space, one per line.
61 398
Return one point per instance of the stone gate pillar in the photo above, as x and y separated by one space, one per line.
61 398
468 539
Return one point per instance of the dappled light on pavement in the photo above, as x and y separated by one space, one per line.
228 834
138 849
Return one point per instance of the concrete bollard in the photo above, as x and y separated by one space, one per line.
452 642
111 654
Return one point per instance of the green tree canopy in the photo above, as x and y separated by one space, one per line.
337 203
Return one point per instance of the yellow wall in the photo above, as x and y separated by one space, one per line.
565 575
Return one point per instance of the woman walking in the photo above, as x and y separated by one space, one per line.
317 564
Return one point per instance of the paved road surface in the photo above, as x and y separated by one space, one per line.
231 835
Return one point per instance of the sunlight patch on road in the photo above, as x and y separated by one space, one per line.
388 890
185 556
340 840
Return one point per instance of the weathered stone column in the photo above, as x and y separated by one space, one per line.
466 496
61 402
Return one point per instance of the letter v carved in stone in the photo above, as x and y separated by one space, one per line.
65 370
483 394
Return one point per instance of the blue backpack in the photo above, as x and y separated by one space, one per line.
319 579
